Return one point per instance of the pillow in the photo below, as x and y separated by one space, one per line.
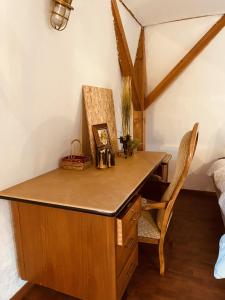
219 178
219 271
218 164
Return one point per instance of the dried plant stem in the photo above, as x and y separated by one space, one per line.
126 105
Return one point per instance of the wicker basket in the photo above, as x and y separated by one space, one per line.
75 161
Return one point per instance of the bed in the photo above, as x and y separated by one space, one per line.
217 172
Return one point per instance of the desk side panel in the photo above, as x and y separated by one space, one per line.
100 257
68 251
50 244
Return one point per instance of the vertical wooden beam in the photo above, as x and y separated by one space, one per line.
125 60
137 73
140 74
186 61
139 128
140 67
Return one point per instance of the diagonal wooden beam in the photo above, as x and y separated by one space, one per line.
140 74
189 57
125 60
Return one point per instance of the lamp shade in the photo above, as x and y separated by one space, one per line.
60 14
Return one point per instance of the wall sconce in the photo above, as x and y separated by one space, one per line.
60 14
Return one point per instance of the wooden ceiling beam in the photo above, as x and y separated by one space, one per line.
140 67
125 61
186 61
140 74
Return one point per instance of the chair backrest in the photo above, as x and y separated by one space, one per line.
185 154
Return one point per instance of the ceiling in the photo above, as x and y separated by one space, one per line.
150 12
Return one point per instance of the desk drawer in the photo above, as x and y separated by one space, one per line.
127 220
124 277
123 252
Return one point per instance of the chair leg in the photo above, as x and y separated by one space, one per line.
170 233
161 258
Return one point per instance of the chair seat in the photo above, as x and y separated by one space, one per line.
147 228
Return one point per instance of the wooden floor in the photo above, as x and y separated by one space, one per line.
190 259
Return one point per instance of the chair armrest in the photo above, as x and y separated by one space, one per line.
154 205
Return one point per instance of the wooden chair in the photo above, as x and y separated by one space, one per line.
152 228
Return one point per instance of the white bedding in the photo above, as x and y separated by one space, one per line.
217 165
217 170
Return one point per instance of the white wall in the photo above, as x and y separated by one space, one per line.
41 75
197 95
151 12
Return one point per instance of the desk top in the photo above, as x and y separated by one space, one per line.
98 191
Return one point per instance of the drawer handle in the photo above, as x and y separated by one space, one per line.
130 243
131 269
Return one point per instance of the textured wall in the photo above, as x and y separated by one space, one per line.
41 76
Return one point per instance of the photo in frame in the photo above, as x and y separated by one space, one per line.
105 158
101 135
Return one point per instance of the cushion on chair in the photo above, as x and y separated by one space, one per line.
147 227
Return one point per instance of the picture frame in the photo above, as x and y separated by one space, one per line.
105 157
101 135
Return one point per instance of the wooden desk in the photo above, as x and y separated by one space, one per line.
76 231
